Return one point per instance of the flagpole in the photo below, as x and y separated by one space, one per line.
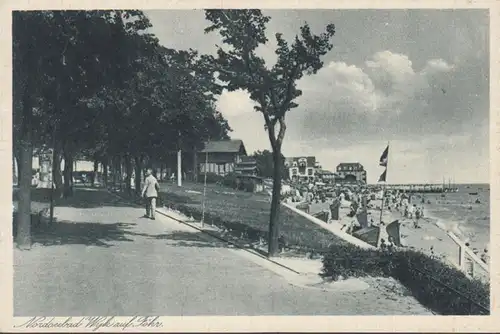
385 184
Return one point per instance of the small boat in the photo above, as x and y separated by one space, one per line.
473 194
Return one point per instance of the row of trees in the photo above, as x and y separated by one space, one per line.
96 83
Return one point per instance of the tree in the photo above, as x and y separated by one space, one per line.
60 58
275 89
265 163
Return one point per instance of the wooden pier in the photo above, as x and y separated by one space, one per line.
422 188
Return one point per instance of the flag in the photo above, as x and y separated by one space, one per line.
384 157
382 177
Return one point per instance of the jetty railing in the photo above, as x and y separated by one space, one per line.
465 252
422 188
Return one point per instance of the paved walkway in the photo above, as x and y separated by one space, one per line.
101 258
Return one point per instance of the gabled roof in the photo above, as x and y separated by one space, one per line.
325 172
311 161
224 146
350 164
246 160
244 168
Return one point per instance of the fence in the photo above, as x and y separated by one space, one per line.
468 261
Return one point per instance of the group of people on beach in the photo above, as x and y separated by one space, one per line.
402 203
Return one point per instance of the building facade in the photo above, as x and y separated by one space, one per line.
302 169
221 157
325 175
352 172
246 166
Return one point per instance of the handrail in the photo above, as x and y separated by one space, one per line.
467 250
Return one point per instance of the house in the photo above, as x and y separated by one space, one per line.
302 169
352 172
325 175
246 166
221 156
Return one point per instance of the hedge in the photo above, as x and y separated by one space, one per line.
436 285
211 177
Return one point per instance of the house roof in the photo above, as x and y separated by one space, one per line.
246 160
224 146
325 172
311 161
244 168
350 164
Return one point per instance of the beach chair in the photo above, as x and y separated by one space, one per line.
334 209
394 233
370 235
362 217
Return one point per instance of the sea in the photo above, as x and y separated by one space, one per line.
460 212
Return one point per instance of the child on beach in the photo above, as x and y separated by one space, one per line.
417 216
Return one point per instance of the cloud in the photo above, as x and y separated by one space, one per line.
378 93
247 124
420 82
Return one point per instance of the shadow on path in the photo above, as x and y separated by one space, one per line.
81 233
196 239
82 198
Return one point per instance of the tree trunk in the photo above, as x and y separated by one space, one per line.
138 174
195 165
68 174
161 171
115 170
275 206
96 170
119 165
15 169
128 171
18 161
105 171
56 171
23 237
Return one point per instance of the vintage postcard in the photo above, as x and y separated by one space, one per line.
249 166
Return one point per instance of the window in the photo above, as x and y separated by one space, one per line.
309 171
294 171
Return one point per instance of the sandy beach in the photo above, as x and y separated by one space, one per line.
432 235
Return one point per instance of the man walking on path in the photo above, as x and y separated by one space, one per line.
150 193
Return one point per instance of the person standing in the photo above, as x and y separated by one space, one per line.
150 193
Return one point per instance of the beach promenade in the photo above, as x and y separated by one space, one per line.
432 237
102 258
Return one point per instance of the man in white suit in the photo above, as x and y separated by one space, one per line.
150 193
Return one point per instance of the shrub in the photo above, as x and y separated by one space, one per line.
249 186
436 285
230 180
352 261
441 287
211 177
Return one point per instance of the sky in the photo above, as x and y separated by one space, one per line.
417 80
